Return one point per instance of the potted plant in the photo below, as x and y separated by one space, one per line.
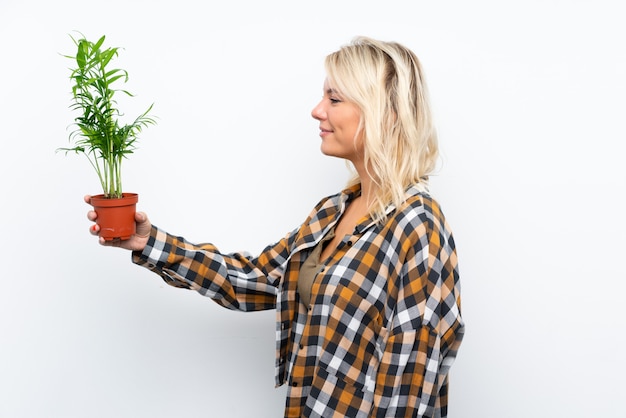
101 136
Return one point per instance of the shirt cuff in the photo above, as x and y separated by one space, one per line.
152 254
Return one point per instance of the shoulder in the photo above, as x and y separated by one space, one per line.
419 205
419 219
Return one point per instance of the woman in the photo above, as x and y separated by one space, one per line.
367 288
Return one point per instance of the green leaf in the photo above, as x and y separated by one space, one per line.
98 44
97 133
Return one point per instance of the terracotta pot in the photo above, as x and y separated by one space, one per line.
116 217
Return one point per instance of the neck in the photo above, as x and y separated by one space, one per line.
368 187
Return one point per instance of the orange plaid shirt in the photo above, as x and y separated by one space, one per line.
384 323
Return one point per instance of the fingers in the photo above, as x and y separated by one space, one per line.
92 215
95 231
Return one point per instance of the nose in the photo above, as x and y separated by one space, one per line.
318 111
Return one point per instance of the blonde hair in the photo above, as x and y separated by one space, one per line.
386 81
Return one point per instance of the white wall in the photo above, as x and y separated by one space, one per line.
530 103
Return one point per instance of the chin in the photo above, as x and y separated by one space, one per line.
328 151
324 150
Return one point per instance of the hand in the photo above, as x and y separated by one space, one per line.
135 243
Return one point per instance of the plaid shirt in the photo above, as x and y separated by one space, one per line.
384 323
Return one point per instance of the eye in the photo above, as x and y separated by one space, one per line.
334 100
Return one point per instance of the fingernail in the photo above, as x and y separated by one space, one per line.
93 227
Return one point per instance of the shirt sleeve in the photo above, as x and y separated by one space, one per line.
236 281
426 332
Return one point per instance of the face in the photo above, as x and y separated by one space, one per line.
339 122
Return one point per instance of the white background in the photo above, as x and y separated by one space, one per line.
529 98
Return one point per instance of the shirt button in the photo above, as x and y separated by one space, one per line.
294 384
301 346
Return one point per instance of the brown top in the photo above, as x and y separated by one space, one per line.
310 268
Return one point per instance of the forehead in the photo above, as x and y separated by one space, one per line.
329 87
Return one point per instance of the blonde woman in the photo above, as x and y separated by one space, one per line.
366 289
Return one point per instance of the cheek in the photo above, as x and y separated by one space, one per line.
355 119
357 133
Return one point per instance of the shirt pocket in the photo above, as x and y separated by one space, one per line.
334 394
345 381
355 361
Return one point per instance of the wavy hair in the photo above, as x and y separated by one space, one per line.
386 81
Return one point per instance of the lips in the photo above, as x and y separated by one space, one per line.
324 131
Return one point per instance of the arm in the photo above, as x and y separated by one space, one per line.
236 281
180 264
426 330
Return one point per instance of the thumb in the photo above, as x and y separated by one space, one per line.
140 217
143 225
